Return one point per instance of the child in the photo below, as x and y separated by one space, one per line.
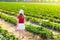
20 24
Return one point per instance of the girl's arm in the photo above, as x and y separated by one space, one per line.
17 21
24 19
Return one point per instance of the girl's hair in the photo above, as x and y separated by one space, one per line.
21 15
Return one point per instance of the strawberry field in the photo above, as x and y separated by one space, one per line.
46 16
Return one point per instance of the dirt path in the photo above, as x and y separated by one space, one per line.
11 29
28 22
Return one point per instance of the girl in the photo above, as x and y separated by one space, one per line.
20 24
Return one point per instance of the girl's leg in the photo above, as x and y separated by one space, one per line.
23 33
20 34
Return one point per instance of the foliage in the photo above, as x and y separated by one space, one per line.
4 35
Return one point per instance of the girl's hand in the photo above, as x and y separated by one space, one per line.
16 29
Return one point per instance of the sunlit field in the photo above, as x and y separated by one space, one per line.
42 19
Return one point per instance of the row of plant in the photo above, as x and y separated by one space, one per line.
9 19
27 14
51 25
4 35
42 11
57 37
39 30
48 24
43 32
15 14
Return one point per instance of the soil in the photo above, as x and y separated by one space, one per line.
11 29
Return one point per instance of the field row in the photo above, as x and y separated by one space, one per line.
43 32
41 22
4 35
41 11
